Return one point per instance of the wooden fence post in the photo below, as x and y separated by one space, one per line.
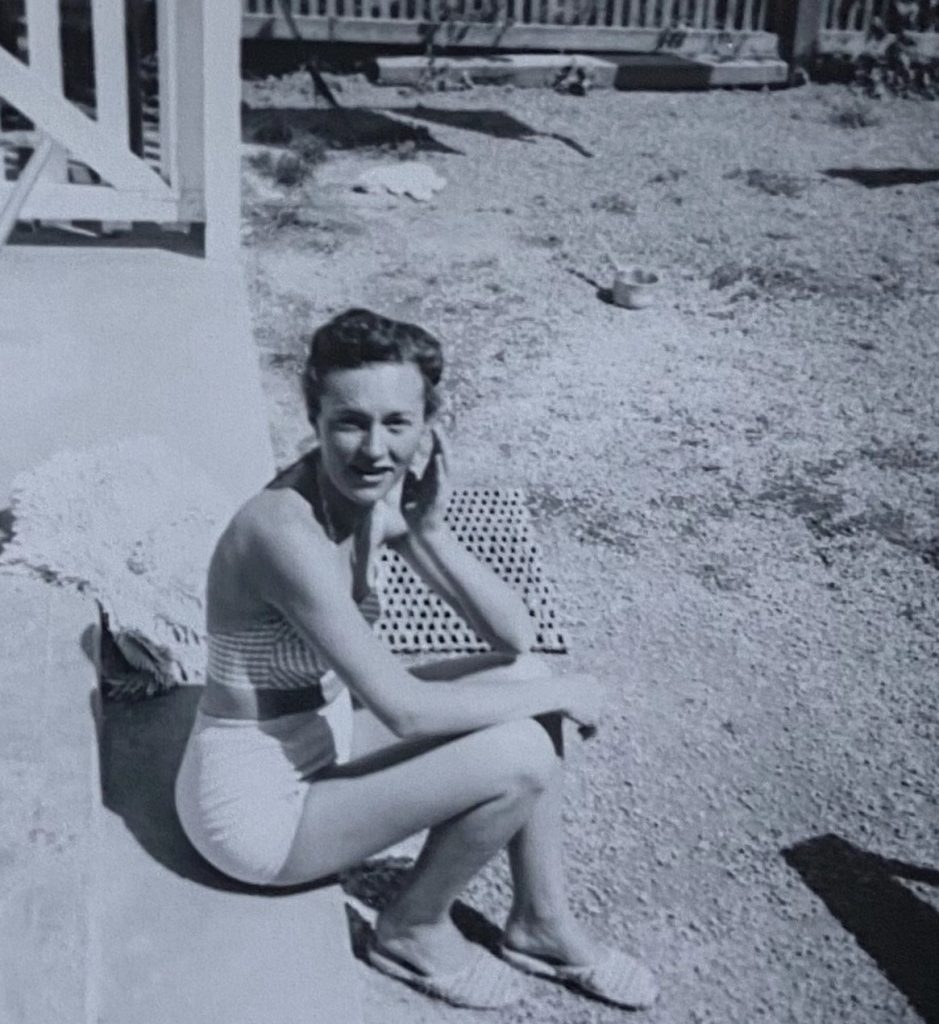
798 23
221 49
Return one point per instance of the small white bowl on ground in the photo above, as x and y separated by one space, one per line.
635 287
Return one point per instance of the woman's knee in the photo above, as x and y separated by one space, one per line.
523 753
531 666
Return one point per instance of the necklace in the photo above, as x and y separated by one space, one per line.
327 520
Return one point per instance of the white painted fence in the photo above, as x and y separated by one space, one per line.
87 170
846 27
611 25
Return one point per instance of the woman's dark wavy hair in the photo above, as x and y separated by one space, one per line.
359 337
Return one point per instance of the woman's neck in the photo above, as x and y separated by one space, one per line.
339 517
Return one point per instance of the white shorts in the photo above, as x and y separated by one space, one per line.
242 784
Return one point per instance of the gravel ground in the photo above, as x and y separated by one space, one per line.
735 490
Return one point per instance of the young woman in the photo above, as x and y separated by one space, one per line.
266 791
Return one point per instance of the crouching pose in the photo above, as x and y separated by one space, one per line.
266 790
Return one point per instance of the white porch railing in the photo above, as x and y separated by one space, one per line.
846 26
88 170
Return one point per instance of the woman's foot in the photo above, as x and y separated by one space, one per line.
433 949
437 960
562 950
562 939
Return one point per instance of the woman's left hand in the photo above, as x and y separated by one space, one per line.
418 503
424 499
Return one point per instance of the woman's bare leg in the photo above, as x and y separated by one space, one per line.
474 792
540 920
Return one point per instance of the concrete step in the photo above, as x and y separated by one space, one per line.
620 71
98 345
107 916
672 72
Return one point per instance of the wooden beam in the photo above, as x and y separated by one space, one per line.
89 141
98 202
799 24
518 36
12 205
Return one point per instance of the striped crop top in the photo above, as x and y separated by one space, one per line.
273 655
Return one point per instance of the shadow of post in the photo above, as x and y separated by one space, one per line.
900 931
884 177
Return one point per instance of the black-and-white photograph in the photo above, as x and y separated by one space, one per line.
469 511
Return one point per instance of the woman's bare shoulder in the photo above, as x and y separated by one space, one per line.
273 535
272 518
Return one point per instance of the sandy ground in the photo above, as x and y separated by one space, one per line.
735 490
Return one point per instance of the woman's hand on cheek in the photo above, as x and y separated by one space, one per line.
392 524
424 498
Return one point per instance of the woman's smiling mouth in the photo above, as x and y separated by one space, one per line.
371 474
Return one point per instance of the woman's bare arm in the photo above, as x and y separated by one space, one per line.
488 604
414 516
300 572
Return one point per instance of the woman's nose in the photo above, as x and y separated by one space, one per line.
374 444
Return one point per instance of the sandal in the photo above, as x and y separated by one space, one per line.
484 983
615 977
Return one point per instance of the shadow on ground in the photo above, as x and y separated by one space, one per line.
496 123
861 889
884 177
7 529
343 128
186 240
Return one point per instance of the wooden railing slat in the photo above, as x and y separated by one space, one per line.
43 40
759 15
77 132
867 15
167 12
220 128
16 197
108 40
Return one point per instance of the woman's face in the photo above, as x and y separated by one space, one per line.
370 424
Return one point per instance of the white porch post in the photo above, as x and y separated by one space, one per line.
221 48
45 59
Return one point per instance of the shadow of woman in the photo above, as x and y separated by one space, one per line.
374 884
141 745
